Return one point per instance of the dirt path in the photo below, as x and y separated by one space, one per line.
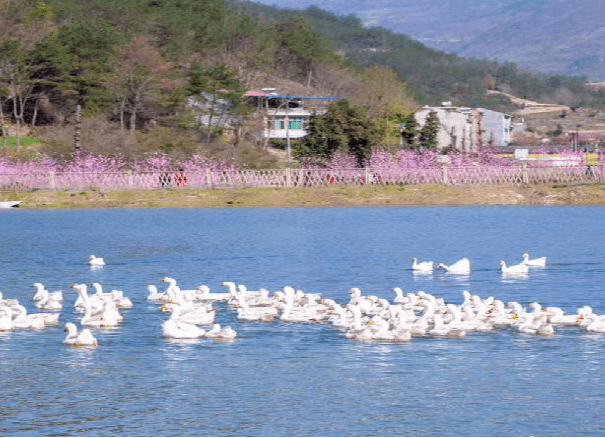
530 106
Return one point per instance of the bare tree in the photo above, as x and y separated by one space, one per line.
139 67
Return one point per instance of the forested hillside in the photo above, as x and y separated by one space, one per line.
123 70
561 37
439 76
114 76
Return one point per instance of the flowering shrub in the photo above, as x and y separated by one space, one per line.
84 161
379 160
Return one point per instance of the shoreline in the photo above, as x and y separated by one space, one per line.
336 196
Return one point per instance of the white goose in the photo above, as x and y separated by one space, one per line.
204 294
218 332
95 261
521 268
107 318
154 295
82 339
47 303
300 314
538 263
25 321
461 267
196 316
117 296
176 329
597 325
422 266
55 296
6 319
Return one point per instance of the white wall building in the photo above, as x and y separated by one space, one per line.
455 126
286 123
467 129
285 117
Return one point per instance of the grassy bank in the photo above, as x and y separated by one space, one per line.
318 196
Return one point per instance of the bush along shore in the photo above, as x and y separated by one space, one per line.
410 195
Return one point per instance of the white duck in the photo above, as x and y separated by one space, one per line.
176 329
107 318
538 263
25 321
56 295
82 339
154 295
95 302
6 319
47 303
521 268
422 266
218 332
300 314
196 316
95 261
461 267
205 294
117 296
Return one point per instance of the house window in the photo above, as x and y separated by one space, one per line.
296 123
280 123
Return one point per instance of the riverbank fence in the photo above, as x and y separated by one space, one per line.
292 178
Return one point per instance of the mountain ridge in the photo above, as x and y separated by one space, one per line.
554 37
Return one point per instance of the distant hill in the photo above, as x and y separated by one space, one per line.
561 37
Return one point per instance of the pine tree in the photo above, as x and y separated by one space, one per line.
428 133
409 133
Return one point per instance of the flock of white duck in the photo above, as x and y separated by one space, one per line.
362 318
463 266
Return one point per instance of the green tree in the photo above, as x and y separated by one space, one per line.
428 133
212 86
303 48
15 79
345 128
410 133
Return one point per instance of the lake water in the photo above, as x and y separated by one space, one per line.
285 379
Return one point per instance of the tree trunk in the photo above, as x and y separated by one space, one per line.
3 126
122 106
133 119
17 119
35 114
78 131
310 74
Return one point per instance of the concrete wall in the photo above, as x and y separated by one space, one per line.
467 130
455 126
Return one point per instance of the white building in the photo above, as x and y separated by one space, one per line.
286 123
467 129
455 126
285 117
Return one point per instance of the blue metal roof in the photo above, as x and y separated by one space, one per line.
303 98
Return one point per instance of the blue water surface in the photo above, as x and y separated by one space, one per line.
286 379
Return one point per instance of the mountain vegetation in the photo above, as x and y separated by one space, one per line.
117 77
553 37
435 75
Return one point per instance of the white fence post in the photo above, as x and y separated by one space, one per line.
288 177
525 173
51 180
444 175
